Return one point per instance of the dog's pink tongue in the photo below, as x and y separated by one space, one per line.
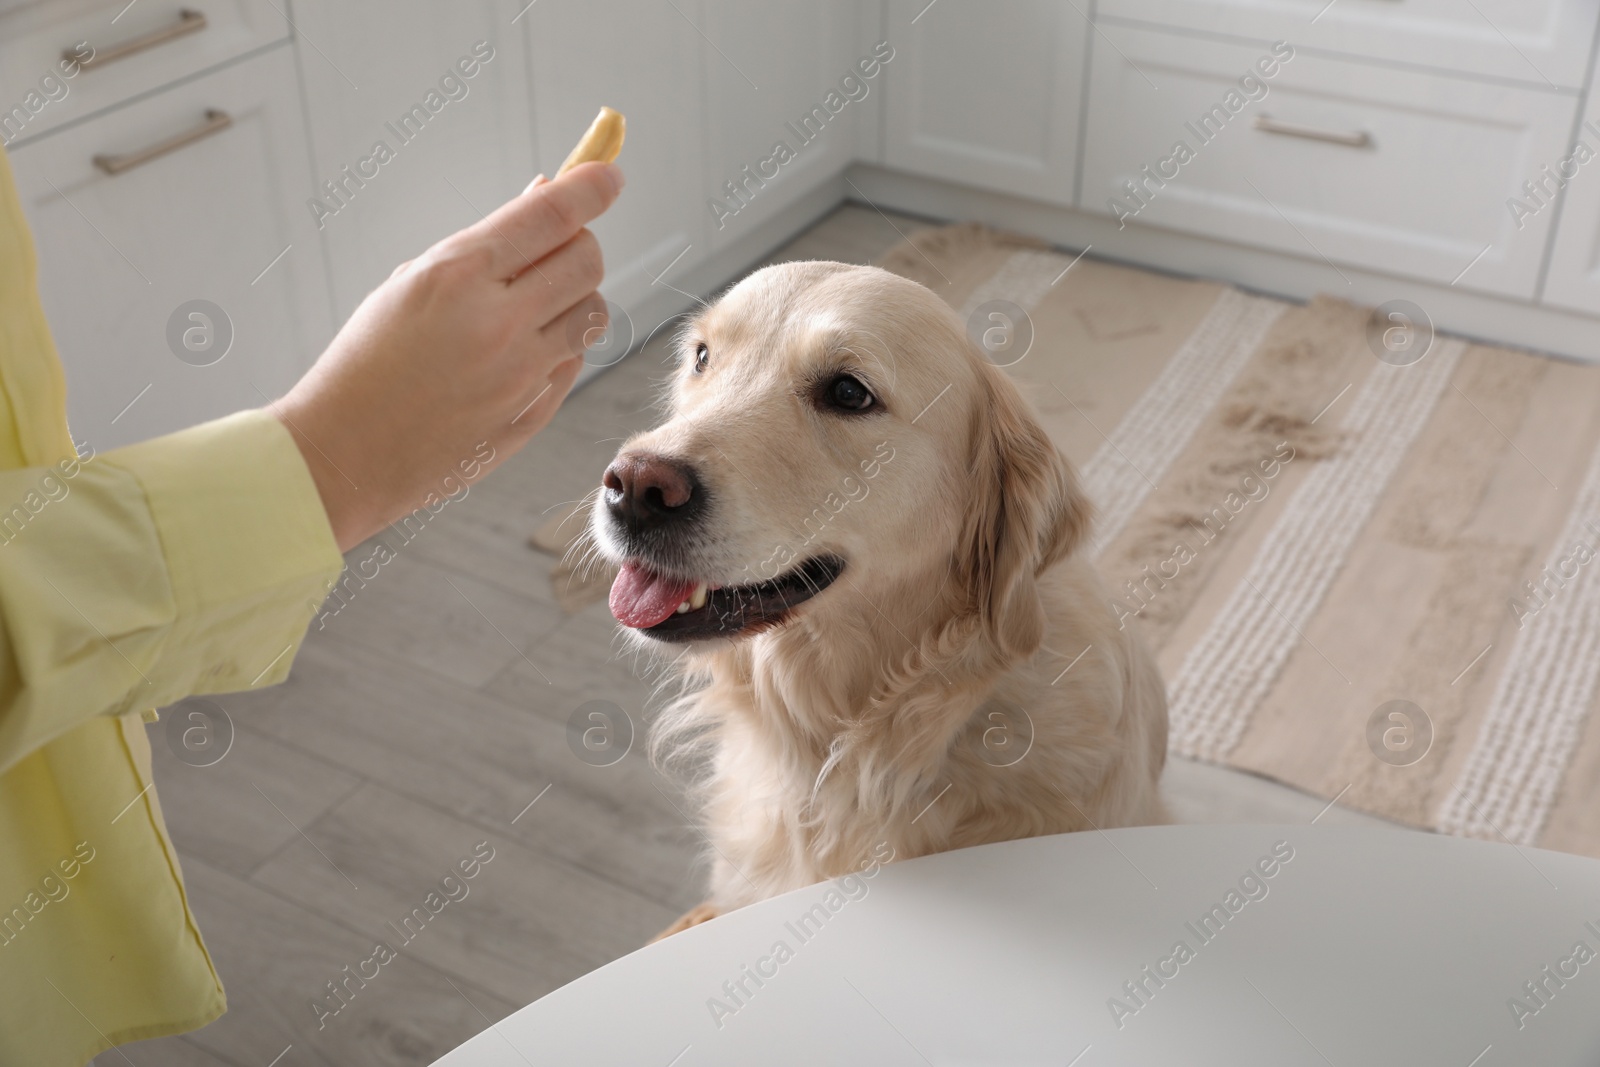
640 598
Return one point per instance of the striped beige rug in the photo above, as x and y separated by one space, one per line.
1364 579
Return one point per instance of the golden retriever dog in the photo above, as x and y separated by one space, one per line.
864 552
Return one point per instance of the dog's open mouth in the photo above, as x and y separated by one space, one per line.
676 609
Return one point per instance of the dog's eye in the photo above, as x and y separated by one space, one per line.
848 394
702 357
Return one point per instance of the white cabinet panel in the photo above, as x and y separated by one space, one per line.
871 26
779 75
1542 42
159 41
382 71
1573 278
987 93
219 219
1418 187
647 59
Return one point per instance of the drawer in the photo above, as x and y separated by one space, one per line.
1360 164
137 47
221 219
1545 43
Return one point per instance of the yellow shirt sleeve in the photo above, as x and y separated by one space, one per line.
191 563
187 564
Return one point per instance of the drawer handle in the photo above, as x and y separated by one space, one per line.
216 121
1268 124
188 22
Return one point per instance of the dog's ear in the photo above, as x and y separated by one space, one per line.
1027 513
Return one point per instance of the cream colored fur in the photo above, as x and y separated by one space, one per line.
883 711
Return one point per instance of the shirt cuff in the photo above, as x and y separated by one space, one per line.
249 551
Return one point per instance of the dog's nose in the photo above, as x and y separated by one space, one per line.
644 490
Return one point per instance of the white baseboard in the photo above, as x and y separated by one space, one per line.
1477 316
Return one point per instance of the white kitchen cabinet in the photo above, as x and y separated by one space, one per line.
1572 279
1393 143
647 59
219 219
1392 170
1544 43
135 48
987 93
368 66
785 96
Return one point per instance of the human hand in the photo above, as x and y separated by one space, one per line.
471 342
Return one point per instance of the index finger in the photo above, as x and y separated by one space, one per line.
546 216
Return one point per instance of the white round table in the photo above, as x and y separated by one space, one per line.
1339 945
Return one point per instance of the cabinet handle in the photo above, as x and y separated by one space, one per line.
188 22
216 121
1356 139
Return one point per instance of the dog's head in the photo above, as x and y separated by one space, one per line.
834 439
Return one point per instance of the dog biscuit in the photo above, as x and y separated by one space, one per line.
603 141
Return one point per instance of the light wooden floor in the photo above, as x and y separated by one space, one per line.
425 718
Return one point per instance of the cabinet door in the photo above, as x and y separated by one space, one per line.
647 59
1393 170
1573 278
386 71
987 93
220 219
779 75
